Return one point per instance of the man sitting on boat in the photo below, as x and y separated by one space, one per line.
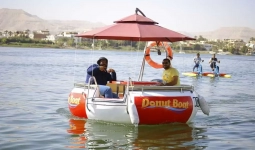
102 75
197 61
213 61
170 75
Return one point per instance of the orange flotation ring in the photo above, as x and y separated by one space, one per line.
147 54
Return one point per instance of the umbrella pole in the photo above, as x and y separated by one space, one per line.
165 49
143 63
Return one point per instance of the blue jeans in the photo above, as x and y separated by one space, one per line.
195 66
106 91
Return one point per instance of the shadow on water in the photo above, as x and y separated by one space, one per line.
98 135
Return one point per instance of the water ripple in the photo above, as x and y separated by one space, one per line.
35 84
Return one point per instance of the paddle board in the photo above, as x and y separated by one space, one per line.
208 74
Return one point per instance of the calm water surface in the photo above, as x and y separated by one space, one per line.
35 84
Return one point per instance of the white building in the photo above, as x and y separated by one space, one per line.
70 34
51 38
208 47
251 48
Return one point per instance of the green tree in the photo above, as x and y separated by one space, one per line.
10 33
4 41
244 49
5 32
70 42
233 50
201 38
252 39
196 47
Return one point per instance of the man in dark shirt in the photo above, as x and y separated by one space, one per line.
213 61
102 75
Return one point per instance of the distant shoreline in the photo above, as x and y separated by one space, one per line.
96 49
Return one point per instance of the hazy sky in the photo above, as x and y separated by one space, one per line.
178 15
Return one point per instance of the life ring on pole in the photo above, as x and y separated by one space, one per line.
147 53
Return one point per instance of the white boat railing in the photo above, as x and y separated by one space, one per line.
180 88
145 87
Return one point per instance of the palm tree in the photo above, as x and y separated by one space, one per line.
16 33
5 32
252 39
27 32
10 33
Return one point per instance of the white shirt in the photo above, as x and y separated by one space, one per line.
197 60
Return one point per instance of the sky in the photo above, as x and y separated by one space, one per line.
178 15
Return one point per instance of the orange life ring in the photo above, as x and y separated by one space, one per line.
148 58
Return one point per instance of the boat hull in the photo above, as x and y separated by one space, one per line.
151 105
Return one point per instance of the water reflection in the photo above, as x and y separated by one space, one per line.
76 130
98 135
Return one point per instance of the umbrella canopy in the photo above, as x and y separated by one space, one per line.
135 28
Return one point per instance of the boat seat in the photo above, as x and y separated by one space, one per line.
118 89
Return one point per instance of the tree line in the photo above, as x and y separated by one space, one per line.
119 44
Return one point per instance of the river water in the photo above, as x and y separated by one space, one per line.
35 84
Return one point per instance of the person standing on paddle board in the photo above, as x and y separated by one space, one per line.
197 61
213 61
170 75
102 75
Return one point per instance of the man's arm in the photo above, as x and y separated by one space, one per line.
173 82
210 60
93 69
113 76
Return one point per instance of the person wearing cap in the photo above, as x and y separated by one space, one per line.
170 75
102 76
197 61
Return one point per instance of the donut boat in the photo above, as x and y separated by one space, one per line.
139 103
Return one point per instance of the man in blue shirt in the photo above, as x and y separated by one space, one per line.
102 75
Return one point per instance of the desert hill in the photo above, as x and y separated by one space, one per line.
17 19
244 33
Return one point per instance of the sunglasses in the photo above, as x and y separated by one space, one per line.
165 63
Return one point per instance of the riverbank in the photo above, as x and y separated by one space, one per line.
30 45
122 48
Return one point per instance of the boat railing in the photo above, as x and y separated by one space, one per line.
81 84
180 88
98 99
146 87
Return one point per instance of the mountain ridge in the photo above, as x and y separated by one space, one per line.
18 19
